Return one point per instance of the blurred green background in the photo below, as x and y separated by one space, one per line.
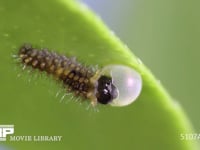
165 35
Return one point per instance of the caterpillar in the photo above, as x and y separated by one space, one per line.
100 87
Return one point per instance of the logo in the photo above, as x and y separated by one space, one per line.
6 130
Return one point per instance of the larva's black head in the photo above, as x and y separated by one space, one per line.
106 91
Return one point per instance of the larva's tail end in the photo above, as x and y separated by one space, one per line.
24 48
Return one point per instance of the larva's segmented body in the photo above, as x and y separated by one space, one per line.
74 76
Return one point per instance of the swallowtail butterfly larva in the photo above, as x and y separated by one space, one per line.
116 85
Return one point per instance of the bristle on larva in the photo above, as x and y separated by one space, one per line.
73 75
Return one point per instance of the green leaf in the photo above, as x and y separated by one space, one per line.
154 121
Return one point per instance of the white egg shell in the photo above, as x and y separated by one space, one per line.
128 82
